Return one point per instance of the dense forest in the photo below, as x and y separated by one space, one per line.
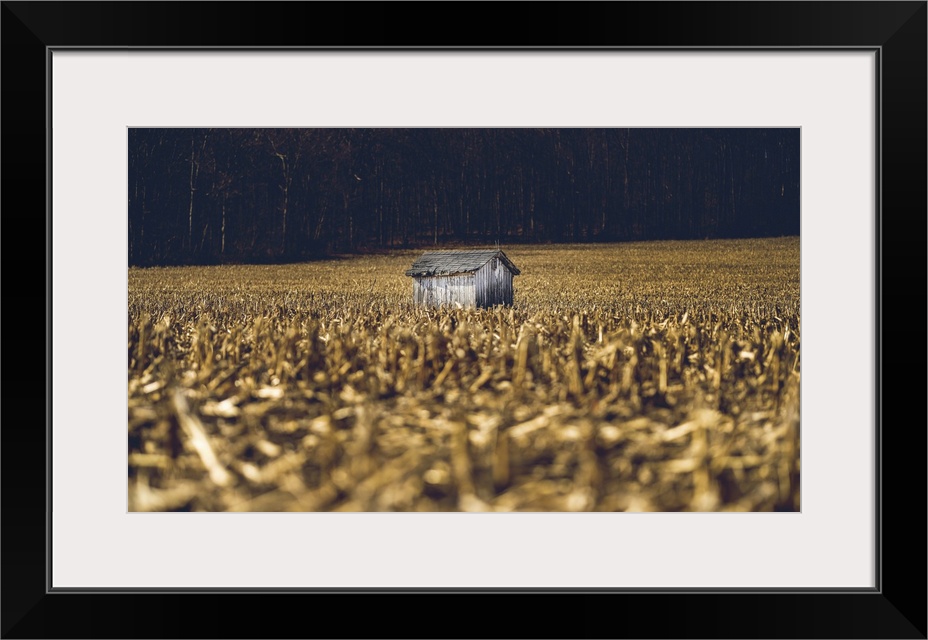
199 195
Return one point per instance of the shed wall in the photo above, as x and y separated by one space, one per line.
433 291
493 284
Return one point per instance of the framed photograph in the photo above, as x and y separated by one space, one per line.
836 92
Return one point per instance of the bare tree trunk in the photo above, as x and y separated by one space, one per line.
286 204
731 169
435 215
346 203
192 189
285 188
383 239
194 172
222 244
142 221
318 232
499 221
627 145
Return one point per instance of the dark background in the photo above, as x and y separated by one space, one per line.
896 609
259 195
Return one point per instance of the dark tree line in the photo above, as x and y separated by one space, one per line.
253 195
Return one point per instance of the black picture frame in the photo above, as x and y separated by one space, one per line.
896 608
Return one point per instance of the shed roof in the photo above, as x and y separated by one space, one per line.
443 263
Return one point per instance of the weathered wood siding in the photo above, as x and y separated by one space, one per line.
494 284
433 291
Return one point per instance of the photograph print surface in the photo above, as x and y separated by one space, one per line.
480 320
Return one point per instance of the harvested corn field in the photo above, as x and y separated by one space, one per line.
657 376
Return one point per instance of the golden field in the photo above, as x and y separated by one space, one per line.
659 376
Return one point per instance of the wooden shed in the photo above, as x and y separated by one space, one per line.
471 278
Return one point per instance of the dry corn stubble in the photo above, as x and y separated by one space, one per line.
638 377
